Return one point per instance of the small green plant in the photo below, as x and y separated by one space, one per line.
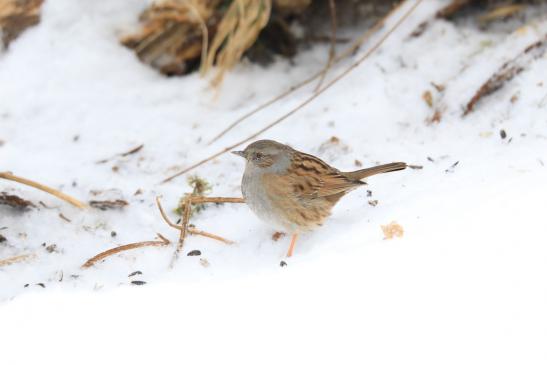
200 187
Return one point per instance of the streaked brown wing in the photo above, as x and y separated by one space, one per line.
311 177
306 193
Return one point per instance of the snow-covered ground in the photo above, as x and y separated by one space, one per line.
465 284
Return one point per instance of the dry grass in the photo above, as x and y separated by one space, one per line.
47 189
236 32
16 259
131 246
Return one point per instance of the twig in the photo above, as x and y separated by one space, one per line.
332 50
131 246
164 216
197 232
204 34
507 72
16 259
192 230
185 217
62 216
308 100
183 228
265 105
123 154
57 193
210 199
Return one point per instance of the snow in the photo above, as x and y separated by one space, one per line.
465 284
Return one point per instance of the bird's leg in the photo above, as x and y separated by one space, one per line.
293 242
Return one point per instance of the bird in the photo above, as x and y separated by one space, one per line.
294 191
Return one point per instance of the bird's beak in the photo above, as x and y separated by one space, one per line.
239 153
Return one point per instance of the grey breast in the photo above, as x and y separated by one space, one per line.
256 197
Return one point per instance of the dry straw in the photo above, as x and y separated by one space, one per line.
237 31
47 189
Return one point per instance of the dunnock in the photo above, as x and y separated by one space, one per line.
294 191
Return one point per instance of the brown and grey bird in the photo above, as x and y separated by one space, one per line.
294 191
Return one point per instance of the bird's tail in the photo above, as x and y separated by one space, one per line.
364 173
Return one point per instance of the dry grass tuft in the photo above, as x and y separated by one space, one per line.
236 32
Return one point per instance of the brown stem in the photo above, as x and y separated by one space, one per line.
209 235
185 217
16 259
195 231
164 216
208 199
34 184
123 154
130 246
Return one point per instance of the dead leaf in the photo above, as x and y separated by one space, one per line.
277 235
15 202
392 229
108 204
428 98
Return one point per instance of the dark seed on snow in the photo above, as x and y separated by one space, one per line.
503 134
138 272
282 264
42 285
194 253
138 282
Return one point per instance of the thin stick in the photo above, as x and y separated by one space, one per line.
332 50
209 199
191 230
265 105
16 259
185 217
305 102
123 154
164 216
350 50
198 232
130 246
204 35
34 184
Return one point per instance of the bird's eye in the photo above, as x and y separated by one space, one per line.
258 156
